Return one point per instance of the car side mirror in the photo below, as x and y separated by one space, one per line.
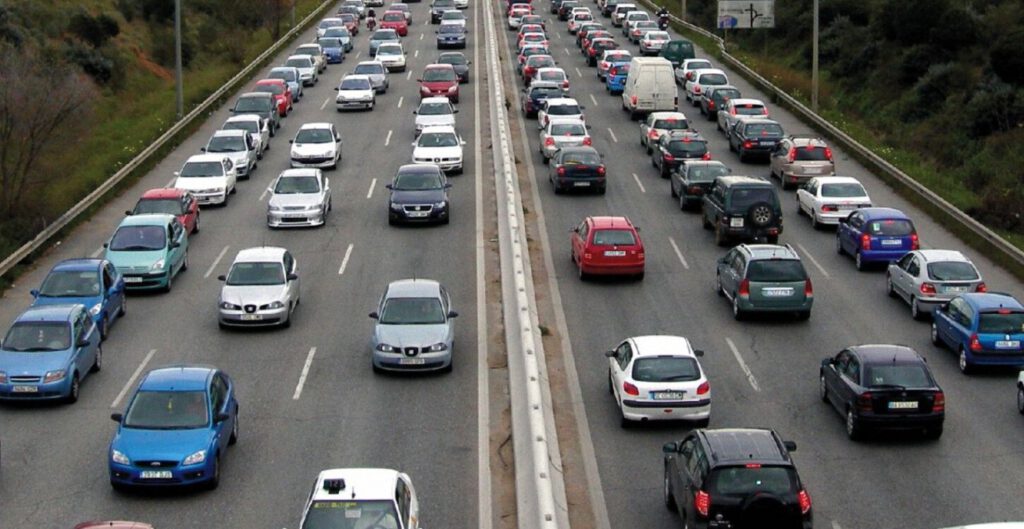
291 141
221 417
698 352
202 149
222 278
337 88
842 221
293 277
389 186
447 185
670 447
106 245
790 445
374 316
177 173
128 212
270 190
462 142
117 417
610 353
456 111
827 362
34 292
82 343
175 245
415 112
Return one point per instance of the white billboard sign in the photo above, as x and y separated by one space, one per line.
746 14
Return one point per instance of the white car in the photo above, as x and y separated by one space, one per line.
699 79
299 197
439 145
658 378
392 56
237 145
326 24
461 4
434 111
256 127
307 68
620 12
826 199
735 109
552 74
355 91
370 498
210 178
689 65
261 289
653 41
316 52
316 145
560 107
453 16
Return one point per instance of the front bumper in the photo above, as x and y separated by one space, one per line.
296 218
258 318
36 390
131 475
211 198
417 213
318 162
446 165
350 104
421 362
151 281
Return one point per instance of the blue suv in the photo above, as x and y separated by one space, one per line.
876 235
176 429
982 329
94 283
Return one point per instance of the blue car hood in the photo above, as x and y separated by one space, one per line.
36 364
88 301
161 445
122 260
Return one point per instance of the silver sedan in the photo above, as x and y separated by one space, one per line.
415 328
261 289
562 133
299 197
928 278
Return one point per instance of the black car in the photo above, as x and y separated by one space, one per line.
742 207
735 478
577 168
882 386
715 97
419 193
597 48
535 95
565 8
451 36
458 61
555 6
755 136
261 104
609 6
690 180
676 147
438 7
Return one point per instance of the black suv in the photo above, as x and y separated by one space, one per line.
735 479
742 207
755 136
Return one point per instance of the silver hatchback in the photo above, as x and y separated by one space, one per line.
415 329
261 289
299 197
561 133
928 278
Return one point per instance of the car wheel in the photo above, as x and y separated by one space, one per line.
102 326
97 363
624 423
215 478
737 312
184 263
935 335
119 487
822 388
858 261
963 363
718 285
1020 400
288 317
772 239
682 203
803 315
888 286
670 500
853 429
124 306
672 190
611 390
639 277
170 283
839 246
582 275
915 309
720 239
234 431
76 386
195 228
815 224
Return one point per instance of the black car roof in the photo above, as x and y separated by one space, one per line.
744 445
886 353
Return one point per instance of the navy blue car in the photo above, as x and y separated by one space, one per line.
176 429
982 329
535 95
876 235
451 36
95 283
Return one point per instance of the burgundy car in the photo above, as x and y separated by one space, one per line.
177 202
440 80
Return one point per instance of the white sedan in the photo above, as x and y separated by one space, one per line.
826 199
658 378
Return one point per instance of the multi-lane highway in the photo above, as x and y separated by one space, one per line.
54 471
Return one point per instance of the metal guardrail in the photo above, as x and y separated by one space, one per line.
92 198
940 204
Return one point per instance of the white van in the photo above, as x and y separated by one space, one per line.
650 87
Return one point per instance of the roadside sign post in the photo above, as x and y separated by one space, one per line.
814 62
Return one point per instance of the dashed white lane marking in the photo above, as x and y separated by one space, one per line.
578 72
344 260
421 36
373 183
408 75
416 54
323 106
612 134
835 525
637 179
812 259
400 99
131 380
305 373
743 365
387 141
566 50
216 262
679 254
98 251
594 99
358 53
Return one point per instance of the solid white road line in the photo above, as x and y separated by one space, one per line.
323 106
344 260
594 99
373 183
98 252
305 373
612 134
131 380
813 260
387 141
743 365
216 262
637 179
400 99
678 253
578 72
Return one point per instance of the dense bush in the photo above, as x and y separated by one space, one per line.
95 30
1007 57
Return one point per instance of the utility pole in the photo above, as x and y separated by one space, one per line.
684 10
178 87
293 12
814 62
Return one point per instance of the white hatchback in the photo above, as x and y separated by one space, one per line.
439 145
658 378
826 199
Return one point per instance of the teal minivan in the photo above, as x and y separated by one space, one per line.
678 50
149 250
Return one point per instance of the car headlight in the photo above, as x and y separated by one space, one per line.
195 458
436 348
95 309
453 89
396 206
385 348
54 376
119 458
229 306
440 204
274 208
275 305
3 377
159 265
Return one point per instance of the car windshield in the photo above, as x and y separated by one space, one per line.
269 88
138 239
568 129
438 139
906 375
687 149
763 129
614 238
666 369
671 124
697 65
314 136
38 337
253 104
369 69
581 158
297 185
450 28
70 284
434 109
299 62
356 83
389 49
452 58
171 206
711 79
952 271
706 173
544 92
417 182
1005 322
202 169
776 270
248 126
168 410
364 514
226 144
843 190
891 227
748 109
412 311
329 42
284 75
747 479
812 154
744 198
438 74
394 17
563 110
255 274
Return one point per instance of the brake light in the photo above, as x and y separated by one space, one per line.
707 156
981 288
565 84
600 170
702 502
748 144
744 290
633 100
752 465
732 111
695 190
915 243
808 288
828 153
791 155
975 343
652 134
587 141
805 501
927 288
939 403
865 242
704 388
549 141
613 72
668 157
689 76
696 89
561 171
1003 311
630 389
864 402
711 104
829 209
764 110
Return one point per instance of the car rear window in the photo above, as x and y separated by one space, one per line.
891 227
563 110
952 271
906 375
711 79
614 238
763 129
776 270
546 92
581 158
749 109
707 173
671 124
666 369
811 154
696 65
843 190
745 197
747 479
1001 323
687 148
568 129
725 94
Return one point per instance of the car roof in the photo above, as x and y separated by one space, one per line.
992 300
438 128
77 264
877 353
307 57
424 168
759 252
147 219
564 121
243 117
704 163
438 66
260 254
746 101
550 69
262 95
301 171
318 125
562 101
413 288
700 71
545 84
229 132
177 378
435 99
360 484
163 192
744 445
207 157
685 135
661 345
356 76
59 312
938 255
605 222
755 120
836 180
882 213
650 34
732 180
696 59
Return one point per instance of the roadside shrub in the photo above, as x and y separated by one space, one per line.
994 106
916 61
93 30
847 50
92 61
162 46
1007 57
909 22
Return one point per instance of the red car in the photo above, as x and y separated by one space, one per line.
177 202
591 36
440 80
279 89
607 246
395 20
351 22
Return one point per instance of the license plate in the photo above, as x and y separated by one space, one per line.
767 143
411 361
668 395
418 214
614 253
903 405
891 242
1007 344
26 389
776 292
736 223
296 215
252 317
132 279
155 474
581 184
812 170
954 290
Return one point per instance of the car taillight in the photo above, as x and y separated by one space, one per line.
927 288
939 403
808 288
652 134
696 89
829 209
600 170
633 100
915 243
732 111
981 288
704 388
711 104
695 190
748 144
561 171
707 156
791 155
587 141
565 84
865 242
668 157
864 402
975 343
765 111
528 70
630 389
702 503
744 290
805 501
549 141
689 76
828 154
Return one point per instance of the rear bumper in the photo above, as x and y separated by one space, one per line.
747 305
902 422
988 358
666 411
613 269
877 256
582 183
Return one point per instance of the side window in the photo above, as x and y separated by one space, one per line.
81 326
853 370
625 353
842 361
914 267
904 262
218 393
289 263
402 497
738 264
583 231
693 459
955 309
701 469
966 314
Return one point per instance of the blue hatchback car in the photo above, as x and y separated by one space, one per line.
334 49
176 429
615 80
48 352
95 283
982 329
876 235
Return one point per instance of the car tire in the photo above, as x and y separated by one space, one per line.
822 388
102 328
215 478
124 306
611 388
234 430
76 387
1020 400
853 427
195 229
858 261
772 239
889 290
624 423
170 283
119 487
682 202
97 363
720 238
543 158
935 335
965 365
915 310
704 221
839 246
602 190
933 433
718 285
582 275
672 190
640 276
287 323
376 370
670 499
184 263
737 312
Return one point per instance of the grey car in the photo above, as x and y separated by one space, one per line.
928 278
415 328
261 289
299 197
343 34
380 37
798 158
561 133
764 278
377 73
260 103
239 146
290 75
